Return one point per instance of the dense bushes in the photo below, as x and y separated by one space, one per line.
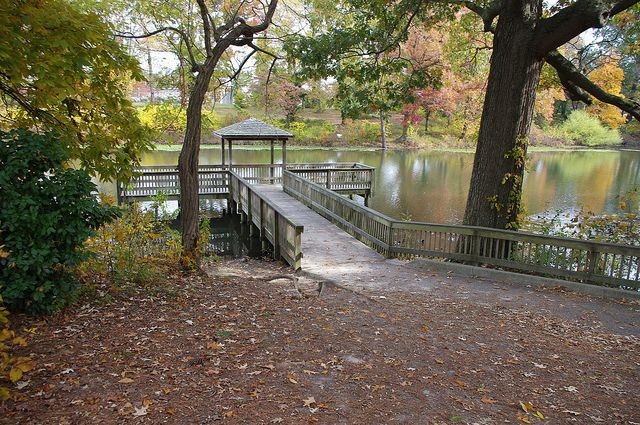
168 116
361 132
48 211
583 129
135 250
310 131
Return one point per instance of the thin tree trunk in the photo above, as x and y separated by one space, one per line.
383 137
150 79
188 169
506 120
182 84
427 114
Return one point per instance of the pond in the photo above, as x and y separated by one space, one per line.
432 185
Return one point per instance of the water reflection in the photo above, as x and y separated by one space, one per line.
432 186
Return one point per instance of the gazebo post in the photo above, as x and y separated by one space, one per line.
284 155
230 154
222 151
272 162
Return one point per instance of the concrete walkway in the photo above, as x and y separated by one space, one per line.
330 254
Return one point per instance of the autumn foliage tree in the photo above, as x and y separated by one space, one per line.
210 28
61 70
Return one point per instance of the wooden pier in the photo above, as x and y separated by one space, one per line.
281 204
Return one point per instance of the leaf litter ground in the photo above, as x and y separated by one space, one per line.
254 346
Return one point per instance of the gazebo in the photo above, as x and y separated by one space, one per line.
254 130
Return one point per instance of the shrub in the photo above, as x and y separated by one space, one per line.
583 129
169 116
11 367
135 249
48 211
310 131
361 131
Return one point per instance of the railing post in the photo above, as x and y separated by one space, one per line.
593 257
389 254
329 179
276 235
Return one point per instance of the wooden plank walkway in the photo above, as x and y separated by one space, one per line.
330 253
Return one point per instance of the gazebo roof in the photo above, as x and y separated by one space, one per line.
252 129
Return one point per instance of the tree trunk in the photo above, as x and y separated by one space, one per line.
498 168
383 137
427 114
182 83
152 96
188 168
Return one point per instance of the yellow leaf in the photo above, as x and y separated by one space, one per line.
292 378
214 345
25 364
524 419
15 374
526 406
539 415
4 393
19 341
126 381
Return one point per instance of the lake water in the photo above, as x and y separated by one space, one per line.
432 186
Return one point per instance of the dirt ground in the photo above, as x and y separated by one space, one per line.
251 345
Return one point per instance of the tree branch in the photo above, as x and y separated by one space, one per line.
185 37
569 73
206 22
572 20
488 13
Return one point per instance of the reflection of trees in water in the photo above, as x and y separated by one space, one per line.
432 186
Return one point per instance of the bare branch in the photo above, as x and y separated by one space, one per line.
185 37
568 73
237 71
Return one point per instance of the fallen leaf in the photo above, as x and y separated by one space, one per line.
213 345
309 401
526 406
488 400
140 411
292 378
126 381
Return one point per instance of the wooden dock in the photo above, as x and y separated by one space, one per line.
341 235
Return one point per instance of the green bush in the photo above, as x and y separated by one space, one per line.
310 131
168 116
48 211
361 132
583 129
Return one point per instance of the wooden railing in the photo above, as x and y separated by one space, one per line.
213 181
586 261
358 179
272 223
346 177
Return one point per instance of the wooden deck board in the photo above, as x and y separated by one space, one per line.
331 253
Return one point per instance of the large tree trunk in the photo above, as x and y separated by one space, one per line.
498 168
188 168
